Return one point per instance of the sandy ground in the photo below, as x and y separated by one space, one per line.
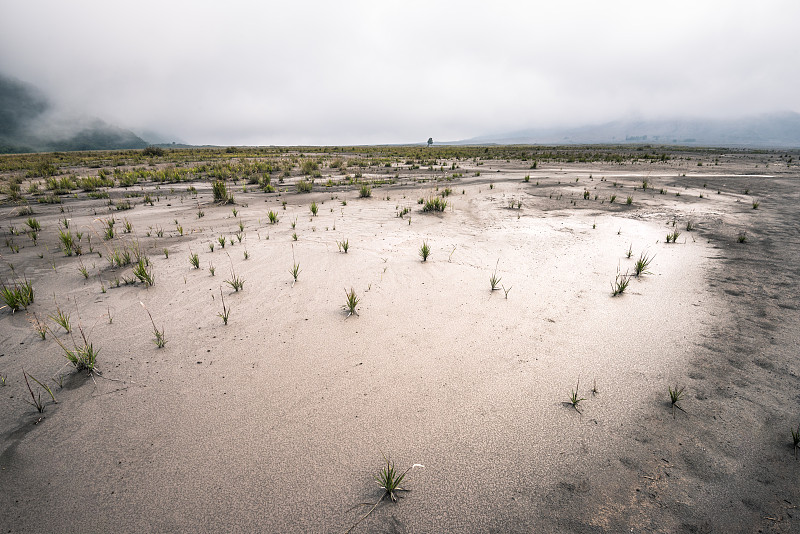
277 421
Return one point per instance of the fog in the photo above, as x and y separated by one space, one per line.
393 72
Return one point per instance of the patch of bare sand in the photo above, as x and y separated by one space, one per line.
277 421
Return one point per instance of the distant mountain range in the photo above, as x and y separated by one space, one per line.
29 122
777 130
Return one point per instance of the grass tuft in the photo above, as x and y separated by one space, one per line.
20 295
675 396
82 356
226 311
424 251
351 302
434 204
160 338
620 283
389 480
144 271
295 270
574 400
494 280
641 265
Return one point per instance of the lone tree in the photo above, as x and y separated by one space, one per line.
430 141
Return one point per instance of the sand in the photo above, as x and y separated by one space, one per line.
277 421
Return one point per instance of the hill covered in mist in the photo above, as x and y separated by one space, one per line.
29 122
777 130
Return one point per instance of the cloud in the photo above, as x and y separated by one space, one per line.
372 72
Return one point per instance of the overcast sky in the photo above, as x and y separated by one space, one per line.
324 72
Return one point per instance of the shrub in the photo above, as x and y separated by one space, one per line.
434 204
304 186
153 151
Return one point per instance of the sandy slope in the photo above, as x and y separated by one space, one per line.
277 421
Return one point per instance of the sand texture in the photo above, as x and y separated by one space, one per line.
277 421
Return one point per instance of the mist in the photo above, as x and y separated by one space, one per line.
393 72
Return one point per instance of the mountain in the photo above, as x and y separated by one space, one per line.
29 122
777 130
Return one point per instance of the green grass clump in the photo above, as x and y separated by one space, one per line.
629 200
641 265
194 260
424 251
314 209
304 186
574 400
61 318
494 280
144 271
235 281
389 480
434 204
67 242
220 191
19 295
620 284
673 236
675 396
273 217
226 311
742 237
33 224
295 270
343 245
351 302
82 355
365 191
